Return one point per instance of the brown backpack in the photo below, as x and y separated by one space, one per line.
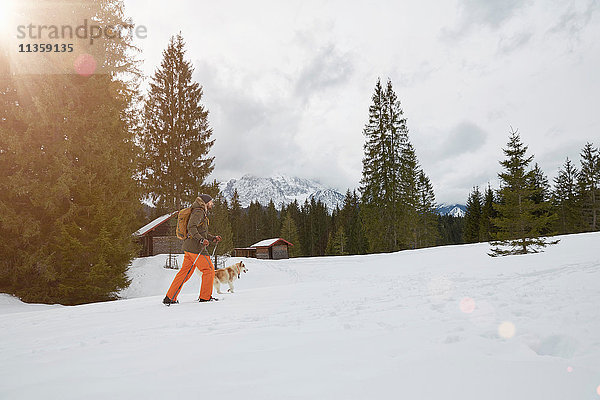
182 222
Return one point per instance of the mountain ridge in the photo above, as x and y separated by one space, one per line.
284 189
281 189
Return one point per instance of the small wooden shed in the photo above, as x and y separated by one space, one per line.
158 236
249 252
273 249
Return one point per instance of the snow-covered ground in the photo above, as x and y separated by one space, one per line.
441 323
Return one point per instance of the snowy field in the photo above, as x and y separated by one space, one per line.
441 323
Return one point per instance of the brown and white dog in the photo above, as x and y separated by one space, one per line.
228 275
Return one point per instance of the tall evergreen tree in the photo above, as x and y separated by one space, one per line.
235 219
589 187
68 198
488 213
539 184
176 137
305 229
375 183
318 224
350 218
473 217
520 220
336 245
409 174
220 224
389 185
565 199
271 223
426 212
289 232
450 230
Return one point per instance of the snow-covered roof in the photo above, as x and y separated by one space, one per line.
270 242
148 227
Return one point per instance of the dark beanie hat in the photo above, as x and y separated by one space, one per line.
205 198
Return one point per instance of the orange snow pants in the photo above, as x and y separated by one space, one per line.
192 261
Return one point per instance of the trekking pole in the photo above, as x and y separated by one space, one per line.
213 254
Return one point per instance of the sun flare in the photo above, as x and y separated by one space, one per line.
7 14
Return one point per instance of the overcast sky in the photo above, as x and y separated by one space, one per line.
288 83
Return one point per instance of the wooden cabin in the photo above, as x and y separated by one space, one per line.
268 249
249 252
158 236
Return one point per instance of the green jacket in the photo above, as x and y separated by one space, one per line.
197 228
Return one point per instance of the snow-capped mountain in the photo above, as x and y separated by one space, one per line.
455 210
282 189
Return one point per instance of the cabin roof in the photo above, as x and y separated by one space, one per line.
270 242
153 224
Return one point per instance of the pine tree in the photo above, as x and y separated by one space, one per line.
520 220
68 198
450 230
409 173
271 223
350 218
488 213
375 177
254 225
317 224
176 137
289 232
220 225
539 184
389 185
589 187
565 199
337 242
473 217
426 212
235 219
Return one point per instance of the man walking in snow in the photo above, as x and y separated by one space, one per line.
196 255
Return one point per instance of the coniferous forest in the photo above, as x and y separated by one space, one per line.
79 154
519 216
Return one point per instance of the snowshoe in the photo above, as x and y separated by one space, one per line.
211 299
167 301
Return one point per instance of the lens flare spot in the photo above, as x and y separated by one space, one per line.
506 330
85 64
598 390
569 369
467 305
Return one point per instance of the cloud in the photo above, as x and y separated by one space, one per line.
248 129
490 13
254 127
421 74
573 20
327 68
507 45
465 137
